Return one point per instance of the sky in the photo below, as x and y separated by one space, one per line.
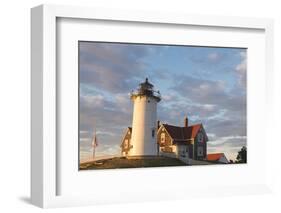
207 84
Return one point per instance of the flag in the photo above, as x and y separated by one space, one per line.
95 142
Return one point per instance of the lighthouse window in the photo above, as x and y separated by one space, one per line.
153 133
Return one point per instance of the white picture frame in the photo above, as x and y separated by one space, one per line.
44 149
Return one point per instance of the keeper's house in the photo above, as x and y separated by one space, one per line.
183 142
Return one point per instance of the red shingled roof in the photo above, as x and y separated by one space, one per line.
182 134
214 156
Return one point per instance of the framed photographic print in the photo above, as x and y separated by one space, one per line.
207 83
127 102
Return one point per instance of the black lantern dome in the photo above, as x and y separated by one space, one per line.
146 89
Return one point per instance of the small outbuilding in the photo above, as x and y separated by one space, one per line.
217 157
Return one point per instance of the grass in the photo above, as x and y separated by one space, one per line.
122 162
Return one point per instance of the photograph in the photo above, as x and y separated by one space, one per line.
160 105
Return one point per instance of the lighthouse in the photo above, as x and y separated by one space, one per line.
144 125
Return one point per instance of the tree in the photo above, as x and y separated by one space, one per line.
242 155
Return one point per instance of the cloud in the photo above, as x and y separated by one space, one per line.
95 100
123 102
177 110
112 67
105 133
109 117
207 56
168 97
229 126
84 139
232 141
220 108
160 73
199 90
102 113
214 57
208 93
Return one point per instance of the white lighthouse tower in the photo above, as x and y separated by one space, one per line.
144 127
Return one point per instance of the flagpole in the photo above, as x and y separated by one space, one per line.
94 150
94 146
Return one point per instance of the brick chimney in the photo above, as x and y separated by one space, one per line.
185 121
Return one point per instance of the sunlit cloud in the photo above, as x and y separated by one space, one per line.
241 69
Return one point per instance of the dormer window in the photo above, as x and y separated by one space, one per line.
126 144
162 137
200 137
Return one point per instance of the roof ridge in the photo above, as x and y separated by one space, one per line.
182 133
171 125
219 153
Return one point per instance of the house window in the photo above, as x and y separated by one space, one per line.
200 151
182 152
162 137
186 151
